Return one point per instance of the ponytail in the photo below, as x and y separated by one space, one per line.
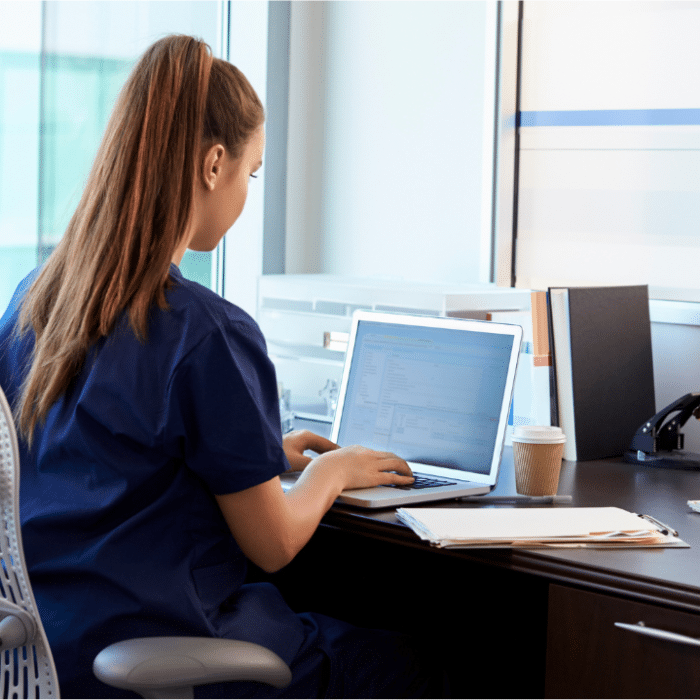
134 212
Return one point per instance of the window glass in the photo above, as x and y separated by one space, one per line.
62 65
610 146
20 46
391 137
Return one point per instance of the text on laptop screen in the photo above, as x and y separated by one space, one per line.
430 395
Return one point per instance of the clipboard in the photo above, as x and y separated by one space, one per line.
508 528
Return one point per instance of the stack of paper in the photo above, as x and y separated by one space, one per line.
537 527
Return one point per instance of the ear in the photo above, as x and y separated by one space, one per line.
212 164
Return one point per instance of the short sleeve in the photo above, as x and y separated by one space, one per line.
222 410
18 295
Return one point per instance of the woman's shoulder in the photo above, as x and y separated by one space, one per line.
198 334
199 311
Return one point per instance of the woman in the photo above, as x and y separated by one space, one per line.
147 408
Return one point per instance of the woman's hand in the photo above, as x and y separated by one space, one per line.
298 441
352 467
358 467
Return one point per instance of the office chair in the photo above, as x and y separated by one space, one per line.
26 665
153 667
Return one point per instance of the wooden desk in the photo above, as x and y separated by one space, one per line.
533 622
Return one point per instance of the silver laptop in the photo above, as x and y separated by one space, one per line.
436 392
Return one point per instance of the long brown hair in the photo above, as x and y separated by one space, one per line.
134 211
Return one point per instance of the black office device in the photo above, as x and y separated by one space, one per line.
660 444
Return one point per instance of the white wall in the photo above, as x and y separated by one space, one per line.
386 140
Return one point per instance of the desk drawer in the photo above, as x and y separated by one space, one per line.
589 656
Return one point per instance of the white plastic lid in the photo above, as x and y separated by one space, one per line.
538 434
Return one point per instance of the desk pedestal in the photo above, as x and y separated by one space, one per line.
589 657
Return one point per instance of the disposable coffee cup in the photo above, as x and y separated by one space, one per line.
537 455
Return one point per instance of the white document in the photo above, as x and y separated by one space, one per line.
536 527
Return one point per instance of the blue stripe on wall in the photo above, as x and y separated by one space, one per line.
611 117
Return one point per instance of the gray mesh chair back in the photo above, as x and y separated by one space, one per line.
26 666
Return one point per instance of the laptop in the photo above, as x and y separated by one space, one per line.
434 390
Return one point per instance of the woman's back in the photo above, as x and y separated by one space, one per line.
122 533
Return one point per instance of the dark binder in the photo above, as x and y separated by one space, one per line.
612 371
553 395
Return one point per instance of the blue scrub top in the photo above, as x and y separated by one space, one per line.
122 534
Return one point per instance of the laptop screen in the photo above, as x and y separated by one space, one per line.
430 395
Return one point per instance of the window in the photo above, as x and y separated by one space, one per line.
610 146
62 65
391 139
412 85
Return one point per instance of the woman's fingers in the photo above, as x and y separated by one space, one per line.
397 465
302 440
298 441
390 478
317 443
366 468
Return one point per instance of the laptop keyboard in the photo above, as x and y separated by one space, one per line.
423 481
